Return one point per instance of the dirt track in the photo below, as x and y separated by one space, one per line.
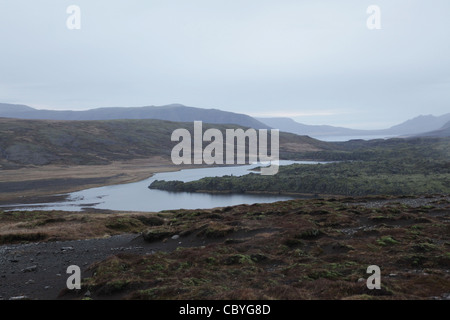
38 270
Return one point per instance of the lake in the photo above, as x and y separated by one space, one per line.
138 197
348 138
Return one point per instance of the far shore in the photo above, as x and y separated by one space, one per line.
272 193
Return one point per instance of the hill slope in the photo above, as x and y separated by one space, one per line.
41 142
442 132
174 112
420 124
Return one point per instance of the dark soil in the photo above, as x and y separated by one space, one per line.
38 270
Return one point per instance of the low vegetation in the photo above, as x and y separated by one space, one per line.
299 249
400 167
35 226
45 142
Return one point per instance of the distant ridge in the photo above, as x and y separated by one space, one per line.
415 126
172 112
290 125
442 132
422 125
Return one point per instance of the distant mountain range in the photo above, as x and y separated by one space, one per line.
173 112
424 125
442 132
289 125
428 125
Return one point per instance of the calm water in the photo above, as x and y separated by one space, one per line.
348 138
138 197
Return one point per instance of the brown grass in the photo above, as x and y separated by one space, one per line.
287 250
115 173
20 227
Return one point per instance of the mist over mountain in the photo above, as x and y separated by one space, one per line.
442 132
290 125
173 112
415 126
422 125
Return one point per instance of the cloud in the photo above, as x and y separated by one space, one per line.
240 56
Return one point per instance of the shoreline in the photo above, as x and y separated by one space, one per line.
272 193
44 184
49 184
53 183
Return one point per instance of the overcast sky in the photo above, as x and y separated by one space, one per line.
313 60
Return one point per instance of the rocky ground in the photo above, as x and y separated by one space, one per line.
38 270
299 249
